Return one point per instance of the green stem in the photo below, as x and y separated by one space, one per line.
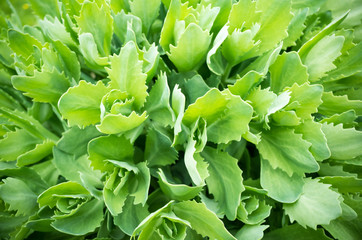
226 74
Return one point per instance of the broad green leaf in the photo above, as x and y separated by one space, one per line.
107 148
296 232
158 149
126 74
45 8
343 143
280 186
188 54
81 104
131 216
143 177
45 86
320 57
347 119
99 22
19 196
238 114
194 88
305 99
244 85
179 192
202 220
158 102
286 150
214 57
347 65
285 118
55 30
261 100
317 205
23 44
35 155
338 104
86 219
252 210
287 70
224 181
312 132
118 123
251 232
17 143
146 10
122 22
344 184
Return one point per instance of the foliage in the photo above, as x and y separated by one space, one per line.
174 119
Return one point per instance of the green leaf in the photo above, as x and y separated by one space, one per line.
81 104
214 58
126 74
253 210
252 232
19 196
287 70
280 186
158 149
146 10
23 44
45 8
343 143
296 232
338 104
287 150
179 192
244 85
317 205
88 48
202 220
86 219
107 148
296 27
344 184
45 86
99 22
188 54
320 57
158 102
118 123
313 133
17 143
35 155
224 181
131 216
305 99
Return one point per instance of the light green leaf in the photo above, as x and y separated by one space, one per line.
287 70
214 58
287 150
252 210
86 219
280 186
347 119
45 8
285 118
143 178
225 180
98 22
178 106
338 104
35 155
23 44
312 132
88 48
146 10
17 143
305 99
179 192
81 104
202 220
296 26
158 102
45 86
107 148
317 205
158 149
251 232
320 57
123 22
344 184
19 196
343 143
118 123
244 85
126 74
188 54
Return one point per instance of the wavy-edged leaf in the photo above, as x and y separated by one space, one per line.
118 123
81 104
333 104
317 205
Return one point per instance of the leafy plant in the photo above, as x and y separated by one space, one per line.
173 119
